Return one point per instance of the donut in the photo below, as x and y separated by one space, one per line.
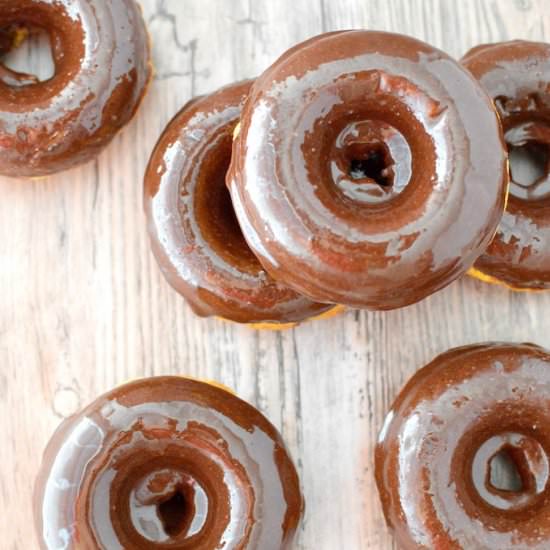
369 169
438 455
167 462
517 77
194 232
102 63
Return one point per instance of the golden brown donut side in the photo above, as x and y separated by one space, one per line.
195 236
435 452
517 76
167 461
102 70
369 169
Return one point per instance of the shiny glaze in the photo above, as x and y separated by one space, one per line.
335 238
102 67
434 452
517 76
108 471
195 236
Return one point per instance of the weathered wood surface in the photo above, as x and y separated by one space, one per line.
83 306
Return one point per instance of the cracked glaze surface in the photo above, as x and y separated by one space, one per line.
107 472
102 67
434 453
341 239
517 76
194 233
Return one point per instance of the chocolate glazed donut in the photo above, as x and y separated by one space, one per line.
194 233
369 170
102 67
517 76
167 463
437 456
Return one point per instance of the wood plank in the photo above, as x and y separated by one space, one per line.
84 307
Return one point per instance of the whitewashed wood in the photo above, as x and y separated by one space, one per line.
84 308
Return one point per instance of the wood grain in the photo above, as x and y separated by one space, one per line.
83 306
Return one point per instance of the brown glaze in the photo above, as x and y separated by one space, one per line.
369 170
517 76
195 235
435 453
102 67
167 462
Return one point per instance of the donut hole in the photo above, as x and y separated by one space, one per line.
504 472
374 164
370 160
528 142
166 504
173 514
214 210
501 102
510 471
27 55
528 163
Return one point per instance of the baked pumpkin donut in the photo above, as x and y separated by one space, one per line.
517 76
369 170
194 233
437 459
167 462
102 63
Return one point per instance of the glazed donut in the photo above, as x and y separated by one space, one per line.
517 76
369 170
194 233
436 460
102 67
167 462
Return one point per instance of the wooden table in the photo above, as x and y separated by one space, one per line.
83 306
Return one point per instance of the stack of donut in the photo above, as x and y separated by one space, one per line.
362 169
